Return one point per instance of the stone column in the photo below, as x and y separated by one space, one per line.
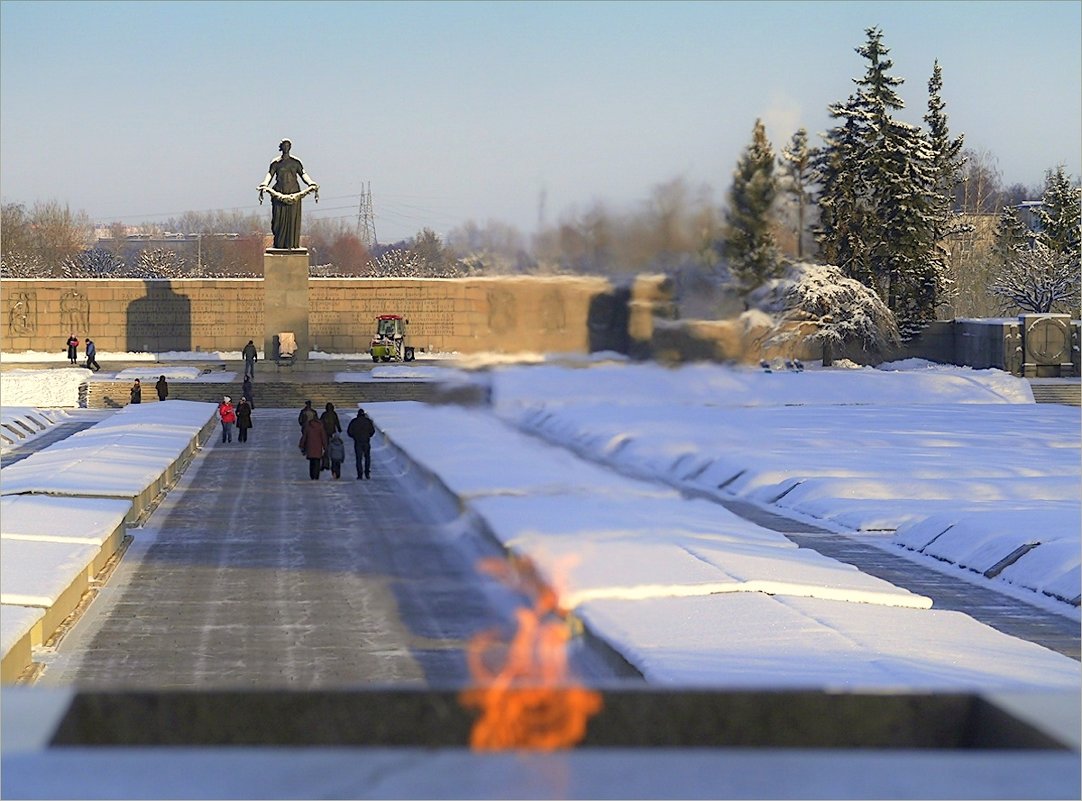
285 299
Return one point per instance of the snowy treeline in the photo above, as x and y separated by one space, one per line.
878 200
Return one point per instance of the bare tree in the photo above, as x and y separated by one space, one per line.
44 239
1038 280
979 191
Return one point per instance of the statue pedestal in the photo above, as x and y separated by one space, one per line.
285 300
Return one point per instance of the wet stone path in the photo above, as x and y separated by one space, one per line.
251 574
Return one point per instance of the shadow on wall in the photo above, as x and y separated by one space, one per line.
159 321
608 321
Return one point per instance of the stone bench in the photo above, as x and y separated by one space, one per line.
51 576
132 455
64 512
17 625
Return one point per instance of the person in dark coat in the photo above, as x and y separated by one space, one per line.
162 387
244 419
92 356
330 421
137 392
313 445
73 349
246 391
249 354
361 429
336 452
307 413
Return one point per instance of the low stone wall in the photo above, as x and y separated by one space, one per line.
738 340
981 344
504 314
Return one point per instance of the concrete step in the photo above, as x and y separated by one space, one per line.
289 395
1066 393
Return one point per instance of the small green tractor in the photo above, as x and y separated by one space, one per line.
390 339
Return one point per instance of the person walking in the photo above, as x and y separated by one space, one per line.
162 387
249 354
92 356
228 417
331 424
307 413
246 391
137 392
313 445
361 429
336 451
244 419
73 349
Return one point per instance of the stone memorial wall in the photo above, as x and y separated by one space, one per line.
538 314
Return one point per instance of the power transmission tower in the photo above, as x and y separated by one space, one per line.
366 219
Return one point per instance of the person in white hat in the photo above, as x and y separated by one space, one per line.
228 417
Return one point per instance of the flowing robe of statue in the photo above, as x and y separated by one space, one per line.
283 184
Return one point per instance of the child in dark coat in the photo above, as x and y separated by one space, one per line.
336 450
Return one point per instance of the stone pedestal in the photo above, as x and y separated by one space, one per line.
285 300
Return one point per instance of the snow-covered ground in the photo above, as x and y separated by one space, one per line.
955 464
961 462
951 466
606 474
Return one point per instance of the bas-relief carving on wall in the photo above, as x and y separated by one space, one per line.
74 311
553 312
22 313
502 312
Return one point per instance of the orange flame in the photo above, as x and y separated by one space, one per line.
526 702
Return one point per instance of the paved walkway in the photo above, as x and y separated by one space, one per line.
251 574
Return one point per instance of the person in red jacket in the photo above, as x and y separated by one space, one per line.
313 445
228 416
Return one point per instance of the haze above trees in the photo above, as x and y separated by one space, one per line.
919 220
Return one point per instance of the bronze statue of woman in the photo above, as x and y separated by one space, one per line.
286 173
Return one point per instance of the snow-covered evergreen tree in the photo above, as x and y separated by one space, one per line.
796 165
879 193
1012 236
750 248
948 163
840 233
1060 213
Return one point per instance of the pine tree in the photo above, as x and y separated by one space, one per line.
796 164
1012 236
947 167
749 242
840 232
1060 213
878 181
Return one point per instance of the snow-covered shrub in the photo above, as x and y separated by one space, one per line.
821 305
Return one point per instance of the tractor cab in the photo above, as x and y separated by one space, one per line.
390 339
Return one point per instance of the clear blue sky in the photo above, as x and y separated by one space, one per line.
477 111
